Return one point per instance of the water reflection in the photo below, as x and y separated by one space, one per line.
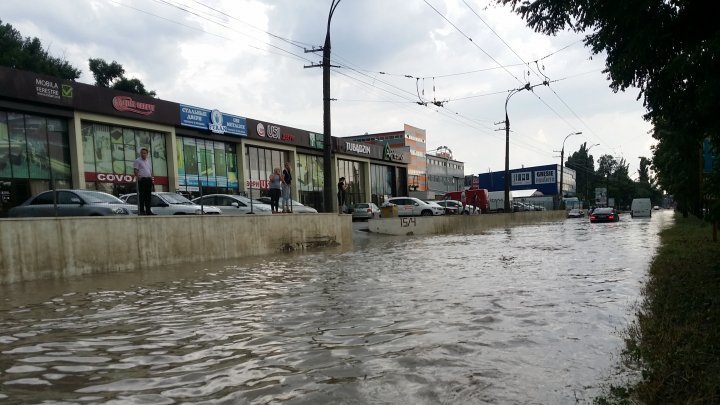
521 315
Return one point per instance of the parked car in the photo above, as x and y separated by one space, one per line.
604 214
365 211
72 203
456 207
436 203
295 206
411 206
575 213
230 204
167 203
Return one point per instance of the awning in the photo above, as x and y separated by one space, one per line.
526 193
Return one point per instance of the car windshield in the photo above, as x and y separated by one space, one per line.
95 197
174 198
603 211
362 206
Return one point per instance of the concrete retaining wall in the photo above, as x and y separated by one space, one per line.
47 248
459 223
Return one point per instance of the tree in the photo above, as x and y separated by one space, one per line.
672 57
112 75
28 54
584 166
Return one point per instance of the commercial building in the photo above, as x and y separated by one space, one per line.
56 133
543 179
428 174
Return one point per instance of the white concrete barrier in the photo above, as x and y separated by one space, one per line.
47 248
458 223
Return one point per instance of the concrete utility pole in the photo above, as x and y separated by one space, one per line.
562 166
327 137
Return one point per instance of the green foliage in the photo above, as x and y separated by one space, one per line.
28 54
112 75
673 343
670 51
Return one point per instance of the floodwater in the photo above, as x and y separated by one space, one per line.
524 315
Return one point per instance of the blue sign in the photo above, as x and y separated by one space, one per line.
213 120
709 156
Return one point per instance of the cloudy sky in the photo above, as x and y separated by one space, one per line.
247 58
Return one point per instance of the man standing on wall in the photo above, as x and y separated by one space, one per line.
143 174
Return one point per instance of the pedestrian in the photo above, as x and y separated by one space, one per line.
342 194
143 173
274 187
286 180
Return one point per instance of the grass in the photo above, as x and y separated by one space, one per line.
674 342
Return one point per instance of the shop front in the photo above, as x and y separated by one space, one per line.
207 145
269 146
372 172
56 133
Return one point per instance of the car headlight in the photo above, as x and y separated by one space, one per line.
120 211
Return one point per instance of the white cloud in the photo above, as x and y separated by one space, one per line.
237 67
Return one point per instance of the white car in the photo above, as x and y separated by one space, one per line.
411 206
167 203
231 204
295 206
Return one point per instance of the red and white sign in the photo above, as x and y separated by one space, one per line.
125 103
118 178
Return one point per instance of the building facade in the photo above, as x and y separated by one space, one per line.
56 133
444 174
545 179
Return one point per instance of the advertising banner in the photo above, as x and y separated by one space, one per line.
521 178
601 196
545 177
213 120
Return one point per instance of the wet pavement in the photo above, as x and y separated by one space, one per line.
523 315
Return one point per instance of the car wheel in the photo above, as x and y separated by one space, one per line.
426 213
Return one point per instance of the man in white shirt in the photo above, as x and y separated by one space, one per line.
143 173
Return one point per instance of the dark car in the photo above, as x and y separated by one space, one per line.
604 215
72 203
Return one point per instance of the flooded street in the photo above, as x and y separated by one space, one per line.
524 315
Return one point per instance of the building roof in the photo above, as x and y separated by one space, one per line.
533 192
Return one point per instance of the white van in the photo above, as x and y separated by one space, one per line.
641 207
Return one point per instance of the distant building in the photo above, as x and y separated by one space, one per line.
544 179
427 174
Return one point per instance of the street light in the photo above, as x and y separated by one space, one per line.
507 145
562 163
587 176
327 138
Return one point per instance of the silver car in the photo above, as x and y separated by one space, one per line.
365 211
72 203
231 204
167 203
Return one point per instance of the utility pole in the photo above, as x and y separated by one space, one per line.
327 137
527 86
562 168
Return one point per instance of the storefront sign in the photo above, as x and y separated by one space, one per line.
357 148
125 103
545 177
390 154
277 133
256 184
213 120
119 178
521 178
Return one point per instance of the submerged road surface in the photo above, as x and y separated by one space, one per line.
524 315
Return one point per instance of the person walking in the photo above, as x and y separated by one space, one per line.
286 195
342 194
143 173
274 187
